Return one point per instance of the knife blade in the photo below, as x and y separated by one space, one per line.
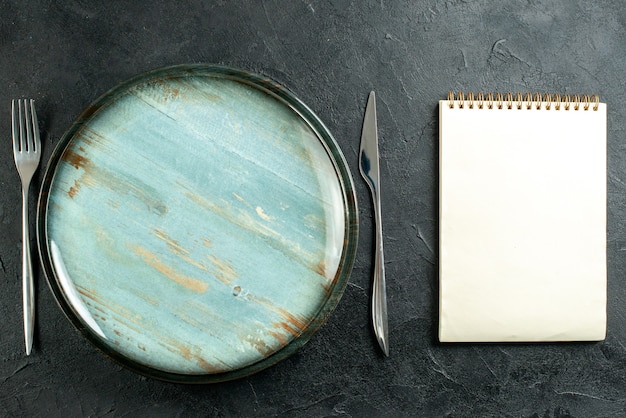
369 168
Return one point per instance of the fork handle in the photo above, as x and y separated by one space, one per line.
28 287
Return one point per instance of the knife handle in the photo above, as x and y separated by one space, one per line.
379 291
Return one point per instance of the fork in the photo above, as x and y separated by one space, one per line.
27 153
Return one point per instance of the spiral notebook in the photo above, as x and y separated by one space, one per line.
522 207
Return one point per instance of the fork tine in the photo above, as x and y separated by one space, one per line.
21 124
37 139
29 130
15 125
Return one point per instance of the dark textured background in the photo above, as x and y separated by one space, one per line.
330 54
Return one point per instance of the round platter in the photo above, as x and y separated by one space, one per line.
197 223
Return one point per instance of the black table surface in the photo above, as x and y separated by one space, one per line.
330 53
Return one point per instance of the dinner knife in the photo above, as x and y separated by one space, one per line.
368 165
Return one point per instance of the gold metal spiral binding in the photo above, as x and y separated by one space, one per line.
528 101
596 101
567 101
470 100
537 100
576 101
489 100
585 101
557 101
547 98
499 100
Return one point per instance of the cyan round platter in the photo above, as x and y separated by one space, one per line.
197 223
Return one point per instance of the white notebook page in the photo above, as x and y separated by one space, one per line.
522 224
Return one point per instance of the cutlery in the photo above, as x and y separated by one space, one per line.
368 165
27 153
